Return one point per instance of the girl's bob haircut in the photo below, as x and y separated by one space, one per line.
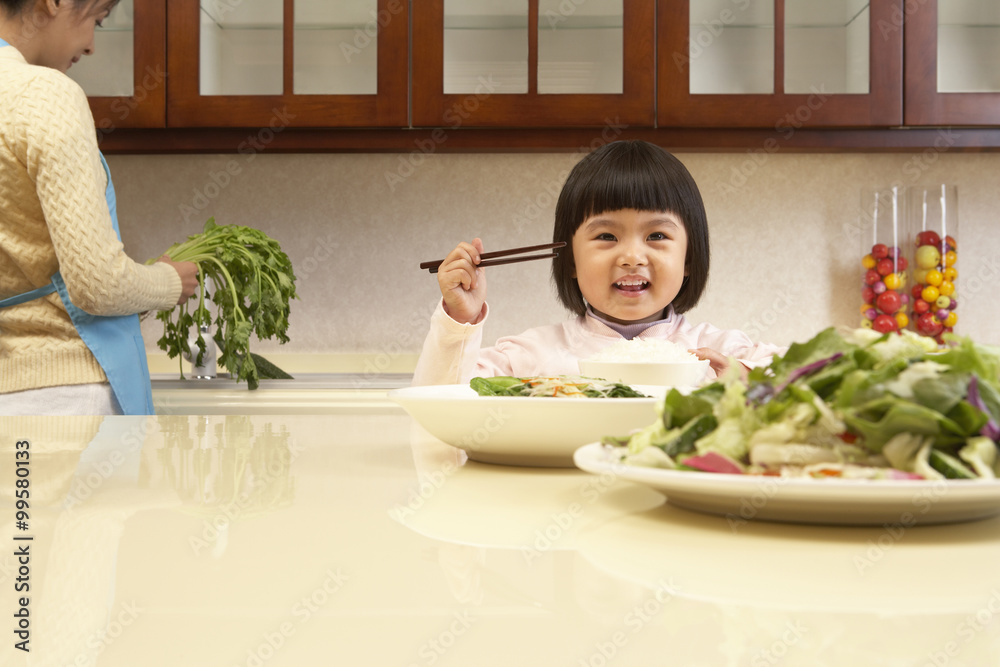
630 175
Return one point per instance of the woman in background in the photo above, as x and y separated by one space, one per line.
70 341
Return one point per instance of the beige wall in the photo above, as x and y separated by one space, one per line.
785 261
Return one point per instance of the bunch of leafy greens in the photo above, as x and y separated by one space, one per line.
856 401
560 386
253 285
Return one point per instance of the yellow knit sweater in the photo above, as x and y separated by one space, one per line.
54 217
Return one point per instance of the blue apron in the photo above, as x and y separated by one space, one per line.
116 342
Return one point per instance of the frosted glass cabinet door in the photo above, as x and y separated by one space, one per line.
537 63
952 57
307 63
125 77
781 64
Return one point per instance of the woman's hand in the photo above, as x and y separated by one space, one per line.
718 361
463 283
188 271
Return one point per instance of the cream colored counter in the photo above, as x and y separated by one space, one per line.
353 539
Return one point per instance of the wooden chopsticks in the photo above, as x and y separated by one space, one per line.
488 258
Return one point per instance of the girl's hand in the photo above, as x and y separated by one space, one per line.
718 361
188 271
462 283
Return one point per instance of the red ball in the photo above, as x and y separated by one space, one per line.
888 301
872 277
884 267
901 263
867 294
917 291
929 237
928 325
885 324
920 306
880 251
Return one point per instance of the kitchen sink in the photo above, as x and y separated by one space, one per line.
307 393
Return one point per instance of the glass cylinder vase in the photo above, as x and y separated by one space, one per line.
884 266
932 232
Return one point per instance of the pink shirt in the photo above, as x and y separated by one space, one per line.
453 353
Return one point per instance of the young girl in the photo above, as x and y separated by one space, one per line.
636 258
69 296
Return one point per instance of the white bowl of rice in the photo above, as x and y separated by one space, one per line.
646 362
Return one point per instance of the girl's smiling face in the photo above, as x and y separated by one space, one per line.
630 264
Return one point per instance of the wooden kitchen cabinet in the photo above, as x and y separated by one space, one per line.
533 63
278 63
952 51
126 78
781 64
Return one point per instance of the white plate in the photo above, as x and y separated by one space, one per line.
525 431
826 501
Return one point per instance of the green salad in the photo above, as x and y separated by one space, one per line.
562 386
845 404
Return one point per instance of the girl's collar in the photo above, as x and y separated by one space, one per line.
630 331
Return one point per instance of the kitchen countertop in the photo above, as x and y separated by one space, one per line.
354 538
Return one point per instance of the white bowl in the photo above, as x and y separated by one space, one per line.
523 430
663 374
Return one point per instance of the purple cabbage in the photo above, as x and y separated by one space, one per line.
808 369
991 429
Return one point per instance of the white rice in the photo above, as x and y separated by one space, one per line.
644 350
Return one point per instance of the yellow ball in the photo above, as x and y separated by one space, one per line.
951 319
928 257
950 258
946 288
950 274
902 320
934 277
868 262
930 294
892 281
866 323
920 275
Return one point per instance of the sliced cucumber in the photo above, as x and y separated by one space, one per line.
949 466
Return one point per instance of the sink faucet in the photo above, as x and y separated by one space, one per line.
206 370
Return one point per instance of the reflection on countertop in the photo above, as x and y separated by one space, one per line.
355 538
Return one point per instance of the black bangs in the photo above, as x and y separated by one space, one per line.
630 177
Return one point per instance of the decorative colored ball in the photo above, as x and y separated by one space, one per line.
867 294
868 262
942 314
872 277
930 294
928 238
866 324
884 267
951 320
880 251
950 273
892 281
871 314
928 257
951 242
934 277
917 290
954 304
879 287
885 324
920 275
888 302
943 302
920 306
946 288
901 263
928 325
950 258
902 320
904 299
